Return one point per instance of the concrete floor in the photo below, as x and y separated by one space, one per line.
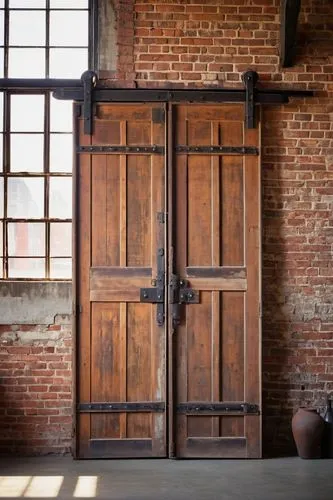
63 478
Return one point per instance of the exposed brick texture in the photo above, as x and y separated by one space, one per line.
36 388
124 76
197 43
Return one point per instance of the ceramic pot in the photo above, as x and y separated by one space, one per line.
308 427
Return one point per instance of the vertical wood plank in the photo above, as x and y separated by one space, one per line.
83 260
232 207
123 263
253 294
139 211
123 366
216 252
158 241
171 270
113 209
105 357
98 210
123 200
180 243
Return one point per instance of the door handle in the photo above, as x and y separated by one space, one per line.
180 293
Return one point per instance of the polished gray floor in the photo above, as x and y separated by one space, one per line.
271 479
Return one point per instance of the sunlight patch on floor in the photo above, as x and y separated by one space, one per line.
86 487
13 486
45 486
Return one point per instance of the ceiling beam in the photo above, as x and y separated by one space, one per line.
288 31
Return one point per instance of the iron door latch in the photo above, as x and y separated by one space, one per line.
156 295
180 293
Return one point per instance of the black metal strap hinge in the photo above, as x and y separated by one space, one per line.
220 150
204 408
115 149
156 295
110 407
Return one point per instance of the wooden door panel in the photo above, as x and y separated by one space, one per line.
122 375
218 253
214 239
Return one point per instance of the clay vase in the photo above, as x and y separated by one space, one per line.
308 427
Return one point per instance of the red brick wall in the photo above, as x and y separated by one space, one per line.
35 388
197 43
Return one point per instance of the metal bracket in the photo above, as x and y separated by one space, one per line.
89 79
250 79
187 295
157 295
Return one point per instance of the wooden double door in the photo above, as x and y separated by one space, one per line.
167 283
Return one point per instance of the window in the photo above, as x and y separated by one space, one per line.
38 39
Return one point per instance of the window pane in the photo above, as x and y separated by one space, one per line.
61 116
26 152
61 197
25 197
27 27
69 4
2 27
1 197
1 239
68 63
27 113
61 153
26 63
69 28
27 4
61 268
26 268
60 239
26 239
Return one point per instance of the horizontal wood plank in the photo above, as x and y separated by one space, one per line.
120 448
216 447
115 295
120 284
221 284
216 272
120 272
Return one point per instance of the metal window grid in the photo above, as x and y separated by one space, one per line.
45 174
